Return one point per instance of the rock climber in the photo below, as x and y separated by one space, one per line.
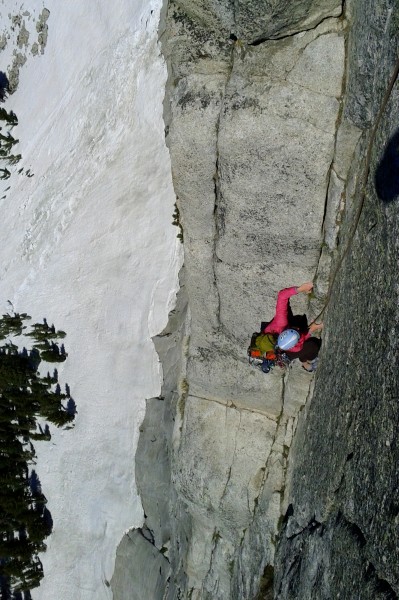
294 336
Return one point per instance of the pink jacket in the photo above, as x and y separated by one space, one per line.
280 320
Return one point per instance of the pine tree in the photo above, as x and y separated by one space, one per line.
9 117
25 396
13 159
7 141
5 588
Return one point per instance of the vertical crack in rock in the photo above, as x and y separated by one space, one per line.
337 126
266 469
215 541
218 209
232 459
323 268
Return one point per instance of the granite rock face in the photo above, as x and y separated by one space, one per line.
256 20
251 146
340 537
267 138
252 134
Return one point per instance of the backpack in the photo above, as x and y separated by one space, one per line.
263 354
261 344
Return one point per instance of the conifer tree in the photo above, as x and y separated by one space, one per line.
25 396
8 117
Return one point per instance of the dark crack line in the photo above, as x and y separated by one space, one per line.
216 538
312 526
217 208
266 471
232 463
263 40
338 125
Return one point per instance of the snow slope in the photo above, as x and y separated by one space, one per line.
88 243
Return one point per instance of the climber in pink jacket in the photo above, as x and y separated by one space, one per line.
280 325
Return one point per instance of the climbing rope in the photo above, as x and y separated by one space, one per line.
363 188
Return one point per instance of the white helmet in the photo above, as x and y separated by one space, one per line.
288 339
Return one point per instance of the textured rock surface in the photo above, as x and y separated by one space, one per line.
252 136
253 20
340 534
265 160
152 570
251 186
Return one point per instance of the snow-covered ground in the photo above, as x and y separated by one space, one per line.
88 243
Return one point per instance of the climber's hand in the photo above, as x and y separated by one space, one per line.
305 287
315 327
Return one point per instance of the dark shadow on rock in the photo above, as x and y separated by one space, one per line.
387 173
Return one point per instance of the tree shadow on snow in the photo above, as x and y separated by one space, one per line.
386 177
40 502
4 83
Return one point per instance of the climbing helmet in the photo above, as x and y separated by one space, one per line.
288 339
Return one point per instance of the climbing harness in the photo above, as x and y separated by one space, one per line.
267 364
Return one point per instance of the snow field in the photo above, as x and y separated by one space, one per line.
88 243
